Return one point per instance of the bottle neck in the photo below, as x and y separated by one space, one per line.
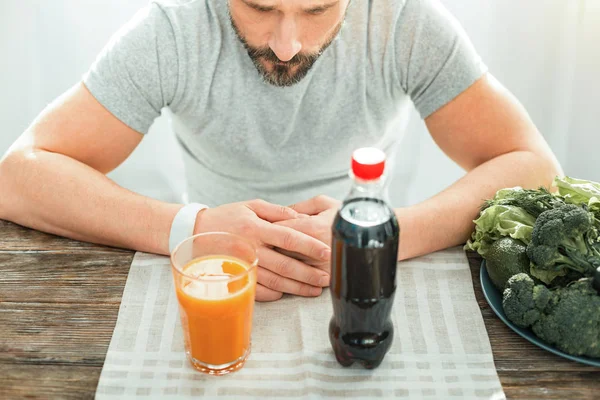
374 189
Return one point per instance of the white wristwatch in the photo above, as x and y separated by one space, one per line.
183 224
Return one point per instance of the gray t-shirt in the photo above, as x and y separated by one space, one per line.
242 138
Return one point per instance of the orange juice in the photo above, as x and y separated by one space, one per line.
216 298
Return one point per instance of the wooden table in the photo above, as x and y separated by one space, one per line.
59 301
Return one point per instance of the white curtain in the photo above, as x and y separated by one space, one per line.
546 52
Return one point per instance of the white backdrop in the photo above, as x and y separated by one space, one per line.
544 51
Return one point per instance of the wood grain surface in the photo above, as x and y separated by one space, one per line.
59 300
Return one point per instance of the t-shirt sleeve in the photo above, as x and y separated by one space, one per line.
436 61
136 74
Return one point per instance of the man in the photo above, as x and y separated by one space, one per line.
333 75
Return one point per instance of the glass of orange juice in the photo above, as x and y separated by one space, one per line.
215 281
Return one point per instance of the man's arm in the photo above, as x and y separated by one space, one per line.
53 180
486 131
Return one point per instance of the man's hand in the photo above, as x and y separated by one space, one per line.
322 211
277 273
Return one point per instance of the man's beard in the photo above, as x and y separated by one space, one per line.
283 73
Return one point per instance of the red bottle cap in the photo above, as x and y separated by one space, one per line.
368 163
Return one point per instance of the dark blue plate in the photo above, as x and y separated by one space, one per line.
494 299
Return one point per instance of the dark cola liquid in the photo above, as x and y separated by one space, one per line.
363 285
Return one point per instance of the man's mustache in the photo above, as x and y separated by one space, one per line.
268 55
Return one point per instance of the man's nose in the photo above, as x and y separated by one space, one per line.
284 41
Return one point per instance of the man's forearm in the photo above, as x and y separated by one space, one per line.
445 220
56 194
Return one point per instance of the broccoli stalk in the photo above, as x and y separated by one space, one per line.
567 317
565 237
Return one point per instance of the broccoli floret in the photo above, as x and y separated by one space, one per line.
567 317
565 237
520 302
534 202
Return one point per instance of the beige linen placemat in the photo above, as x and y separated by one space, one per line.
441 348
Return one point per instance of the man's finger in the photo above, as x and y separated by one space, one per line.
271 212
304 225
288 267
266 294
297 256
280 284
322 265
315 205
312 226
290 239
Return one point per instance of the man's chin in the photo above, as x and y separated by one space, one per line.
282 76
282 80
